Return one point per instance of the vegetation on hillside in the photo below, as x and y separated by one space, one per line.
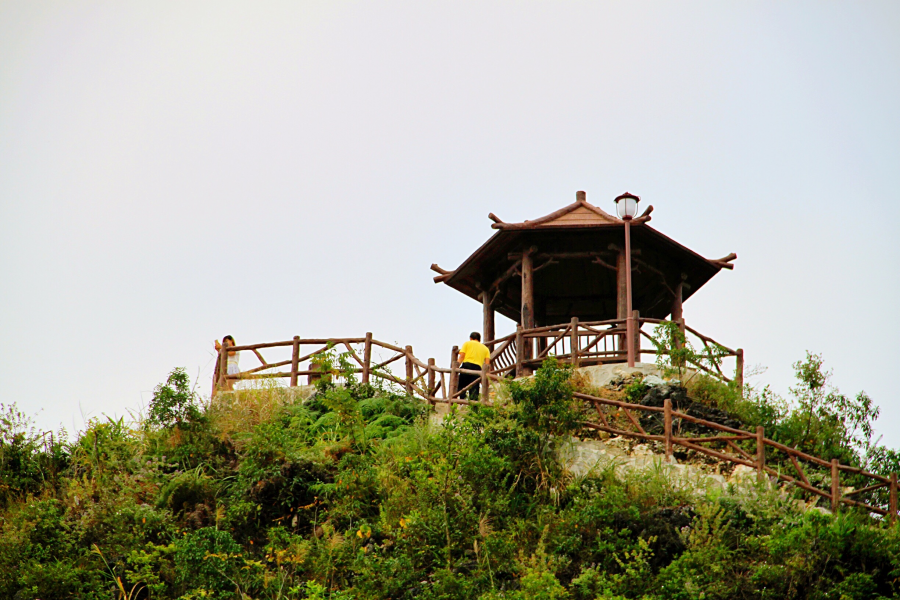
353 494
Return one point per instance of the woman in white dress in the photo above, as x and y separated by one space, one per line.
233 357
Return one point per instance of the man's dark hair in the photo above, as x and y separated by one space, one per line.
475 336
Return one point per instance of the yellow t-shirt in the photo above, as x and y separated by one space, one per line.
475 352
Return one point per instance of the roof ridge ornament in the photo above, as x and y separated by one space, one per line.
725 261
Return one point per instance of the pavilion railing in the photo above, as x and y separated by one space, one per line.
585 343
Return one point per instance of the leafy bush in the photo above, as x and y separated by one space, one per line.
174 402
27 458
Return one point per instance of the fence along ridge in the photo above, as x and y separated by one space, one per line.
757 462
440 385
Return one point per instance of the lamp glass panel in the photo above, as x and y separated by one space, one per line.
626 207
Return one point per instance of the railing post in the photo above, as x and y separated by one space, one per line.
409 370
454 371
431 397
295 360
223 367
760 453
520 350
485 382
667 406
574 342
635 337
739 370
835 486
215 379
367 358
893 498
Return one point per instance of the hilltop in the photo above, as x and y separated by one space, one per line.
352 491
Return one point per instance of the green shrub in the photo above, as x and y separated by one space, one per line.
209 561
174 402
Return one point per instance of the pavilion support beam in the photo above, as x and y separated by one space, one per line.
527 291
488 322
677 312
528 298
677 305
621 295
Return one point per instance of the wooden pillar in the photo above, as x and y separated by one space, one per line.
678 313
527 301
667 406
367 358
454 372
430 391
487 332
527 290
760 453
485 381
636 331
409 370
520 351
573 343
677 308
295 360
739 370
621 295
677 343
893 498
835 486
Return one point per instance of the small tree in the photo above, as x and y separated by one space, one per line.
174 402
826 416
674 352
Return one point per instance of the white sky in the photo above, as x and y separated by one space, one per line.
172 172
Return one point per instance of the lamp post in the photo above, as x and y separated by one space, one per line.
626 208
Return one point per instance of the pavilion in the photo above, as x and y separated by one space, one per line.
572 263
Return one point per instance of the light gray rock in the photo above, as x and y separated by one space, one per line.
743 474
603 375
653 381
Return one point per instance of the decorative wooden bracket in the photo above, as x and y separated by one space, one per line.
546 263
494 218
645 216
603 263
518 255
444 273
725 261
510 272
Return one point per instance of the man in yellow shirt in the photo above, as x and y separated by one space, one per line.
472 355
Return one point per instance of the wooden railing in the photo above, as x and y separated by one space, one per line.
584 343
580 344
874 493
423 379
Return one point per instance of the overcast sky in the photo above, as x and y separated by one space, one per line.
173 172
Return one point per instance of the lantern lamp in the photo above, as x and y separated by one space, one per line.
626 206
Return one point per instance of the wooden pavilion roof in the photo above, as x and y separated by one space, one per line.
575 252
